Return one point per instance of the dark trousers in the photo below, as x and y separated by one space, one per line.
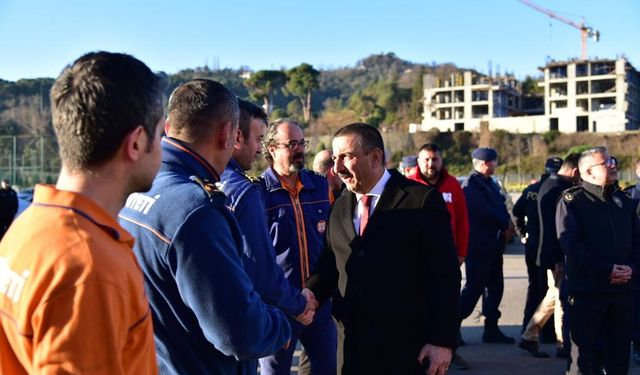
600 332
304 365
484 278
636 320
536 289
319 340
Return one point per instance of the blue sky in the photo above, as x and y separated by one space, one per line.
39 37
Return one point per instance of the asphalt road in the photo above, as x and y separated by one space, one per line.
500 359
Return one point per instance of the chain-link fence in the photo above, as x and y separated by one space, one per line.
28 160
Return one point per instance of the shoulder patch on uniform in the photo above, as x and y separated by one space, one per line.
568 196
209 187
253 179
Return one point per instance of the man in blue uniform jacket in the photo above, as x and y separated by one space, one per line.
297 202
207 317
245 198
489 221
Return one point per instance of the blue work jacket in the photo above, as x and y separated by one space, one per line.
245 198
207 317
297 224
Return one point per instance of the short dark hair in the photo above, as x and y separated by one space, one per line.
370 137
97 101
571 160
196 108
249 111
429 147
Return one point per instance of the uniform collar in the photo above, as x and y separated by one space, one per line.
235 166
272 182
49 196
602 192
177 152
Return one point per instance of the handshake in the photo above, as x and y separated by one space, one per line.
620 274
310 309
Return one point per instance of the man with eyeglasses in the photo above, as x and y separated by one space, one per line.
297 208
598 231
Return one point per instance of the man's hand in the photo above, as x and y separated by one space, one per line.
309 312
620 274
439 358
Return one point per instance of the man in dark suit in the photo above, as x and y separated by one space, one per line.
390 252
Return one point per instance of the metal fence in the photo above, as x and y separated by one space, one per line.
28 160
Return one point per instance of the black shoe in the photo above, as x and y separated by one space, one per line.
562 353
495 336
532 347
548 338
458 363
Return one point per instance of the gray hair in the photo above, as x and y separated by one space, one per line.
587 155
270 137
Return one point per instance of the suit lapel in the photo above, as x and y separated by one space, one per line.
391 196
346 213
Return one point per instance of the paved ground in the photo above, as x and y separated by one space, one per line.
495 359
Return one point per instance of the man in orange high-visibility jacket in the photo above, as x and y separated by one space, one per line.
72 296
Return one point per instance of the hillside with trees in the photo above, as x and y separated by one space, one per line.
382 90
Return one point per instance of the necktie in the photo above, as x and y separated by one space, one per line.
364 219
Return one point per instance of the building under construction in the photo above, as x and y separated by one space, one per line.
579 95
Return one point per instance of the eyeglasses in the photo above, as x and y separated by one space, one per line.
292 145
609 163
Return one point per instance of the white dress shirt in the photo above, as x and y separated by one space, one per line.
375 197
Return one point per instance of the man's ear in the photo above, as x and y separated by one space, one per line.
377 156
224 136
239 140
135 143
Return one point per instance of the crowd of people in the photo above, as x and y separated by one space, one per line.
156 252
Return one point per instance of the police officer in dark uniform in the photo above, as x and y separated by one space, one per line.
634 192
525 210
549 263
8 205
489 224
599 233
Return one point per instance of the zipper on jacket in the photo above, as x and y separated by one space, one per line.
302 241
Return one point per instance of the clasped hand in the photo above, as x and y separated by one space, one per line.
620 274
310 309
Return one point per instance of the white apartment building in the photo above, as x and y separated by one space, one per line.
591 95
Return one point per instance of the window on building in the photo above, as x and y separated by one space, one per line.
553 123
558 72
604 67
603 86
602 104
583 105
582 123
458 126
582 70
582 88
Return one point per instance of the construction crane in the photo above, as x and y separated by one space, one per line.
585 31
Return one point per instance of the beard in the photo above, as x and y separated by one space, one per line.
297 163
431 173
